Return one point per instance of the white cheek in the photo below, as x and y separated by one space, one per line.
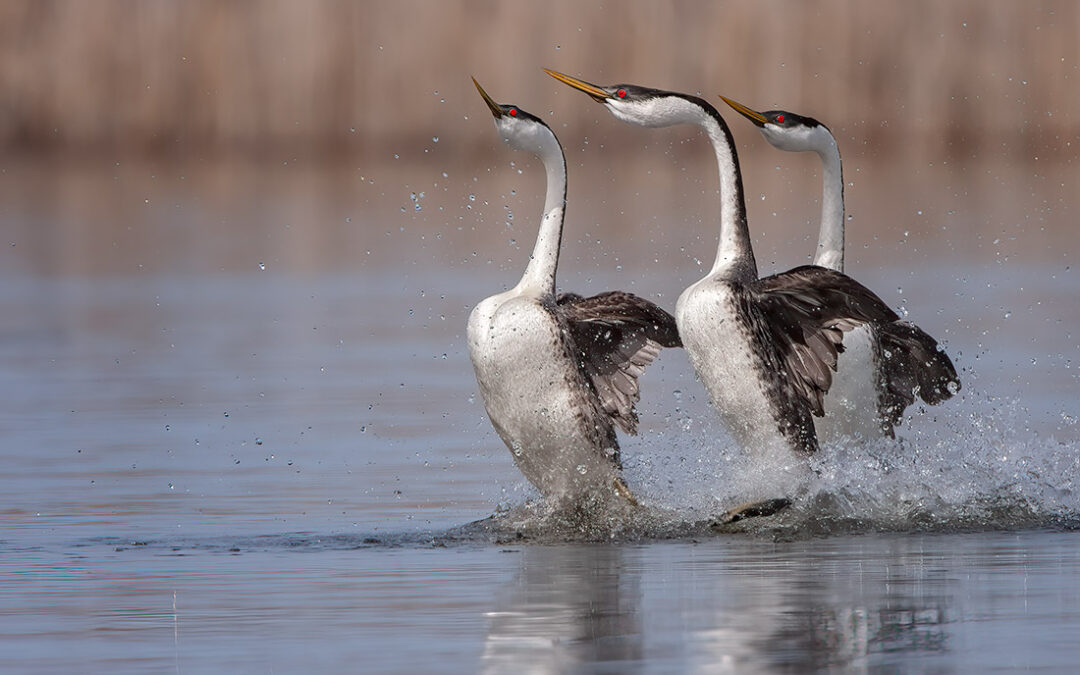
624 114
784 140
653 113
503 128
772 135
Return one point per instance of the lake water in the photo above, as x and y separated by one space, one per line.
241 433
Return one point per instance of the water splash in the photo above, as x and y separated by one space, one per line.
976 466
973 466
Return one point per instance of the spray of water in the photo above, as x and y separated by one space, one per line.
975 466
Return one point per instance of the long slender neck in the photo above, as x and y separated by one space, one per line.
539 277
830 249
734 254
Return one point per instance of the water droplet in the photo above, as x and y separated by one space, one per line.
262 266
582 469
515 447
434 139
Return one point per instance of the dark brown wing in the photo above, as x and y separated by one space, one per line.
801 315
615 336
911 364
806 311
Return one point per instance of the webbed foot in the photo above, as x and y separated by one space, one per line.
753 510
623 490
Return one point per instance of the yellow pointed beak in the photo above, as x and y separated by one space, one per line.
752 115
496 109
596 92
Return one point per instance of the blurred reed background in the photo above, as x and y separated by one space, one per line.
208 135
154 76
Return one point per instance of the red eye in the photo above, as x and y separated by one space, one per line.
621 93
513 112
780 119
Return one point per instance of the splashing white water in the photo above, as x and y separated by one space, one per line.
976 465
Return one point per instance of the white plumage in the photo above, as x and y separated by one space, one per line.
558 374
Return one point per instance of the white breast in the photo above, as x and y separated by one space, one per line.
723 358
535 396
851 406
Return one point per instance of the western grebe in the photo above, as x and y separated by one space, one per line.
869 396
795 133
765 348
558 374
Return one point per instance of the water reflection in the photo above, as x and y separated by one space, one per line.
718 606
566 606
845 636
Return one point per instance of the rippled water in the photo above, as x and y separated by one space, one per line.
258 465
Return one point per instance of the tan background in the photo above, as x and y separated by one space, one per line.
210 136
963 76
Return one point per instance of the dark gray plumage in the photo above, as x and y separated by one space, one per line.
615 336
797 320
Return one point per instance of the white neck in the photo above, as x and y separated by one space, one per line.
539 277
734 253
830 249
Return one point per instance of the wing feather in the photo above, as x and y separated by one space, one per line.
801 317
616 335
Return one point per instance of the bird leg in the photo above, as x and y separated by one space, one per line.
753 510
623 490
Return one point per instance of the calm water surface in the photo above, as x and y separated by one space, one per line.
220 456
